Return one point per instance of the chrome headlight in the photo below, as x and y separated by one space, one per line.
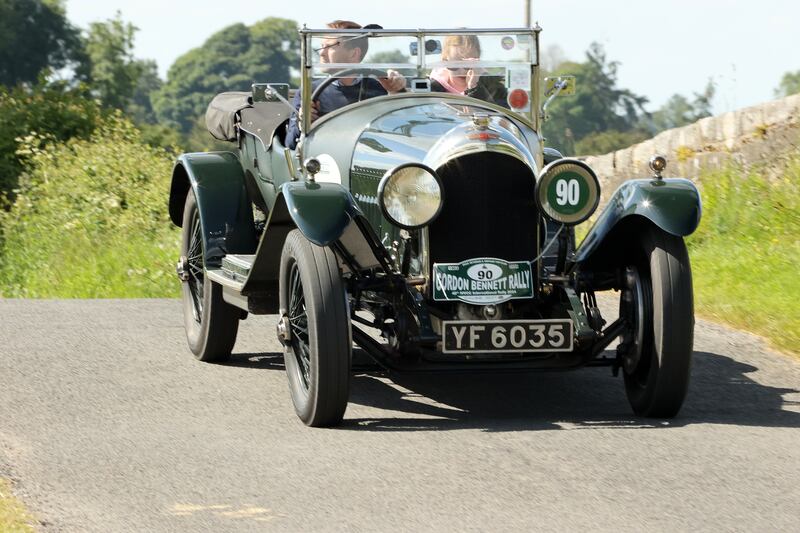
411 195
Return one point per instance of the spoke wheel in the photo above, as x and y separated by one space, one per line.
194 267
298 326
657 304
318 351
211 324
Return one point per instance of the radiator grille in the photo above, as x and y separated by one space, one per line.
489 210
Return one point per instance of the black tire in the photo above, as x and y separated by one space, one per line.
211 324
318 352
658 355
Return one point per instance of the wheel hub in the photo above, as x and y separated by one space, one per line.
182 268
632 309
283 330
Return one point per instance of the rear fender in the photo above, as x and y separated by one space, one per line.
226 216
672 204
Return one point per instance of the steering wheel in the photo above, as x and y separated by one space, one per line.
348 72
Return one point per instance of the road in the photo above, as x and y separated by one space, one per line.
107 423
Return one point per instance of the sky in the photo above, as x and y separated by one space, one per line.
663 47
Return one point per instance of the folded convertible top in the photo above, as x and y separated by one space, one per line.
221 114
261 119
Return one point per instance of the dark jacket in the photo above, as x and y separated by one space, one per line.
332 98
488 89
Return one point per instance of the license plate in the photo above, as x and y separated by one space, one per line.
480 336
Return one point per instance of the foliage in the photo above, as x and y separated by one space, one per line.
34 35
608 141
230 60
598 105
140 106
51 112
388 56
161 136
679 111
790 84
200 140
91 220
119 80
746 251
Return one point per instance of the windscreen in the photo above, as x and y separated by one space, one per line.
455 62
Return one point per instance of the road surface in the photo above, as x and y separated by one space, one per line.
107 423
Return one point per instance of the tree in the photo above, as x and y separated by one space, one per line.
140 106
790 84
608 141
114 73
34 35
388 56
598 105
230 60
42 113
679 111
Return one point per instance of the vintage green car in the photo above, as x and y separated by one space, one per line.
432 229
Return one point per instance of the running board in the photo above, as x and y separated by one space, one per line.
232 277
237 267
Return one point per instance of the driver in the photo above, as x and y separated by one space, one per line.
343 91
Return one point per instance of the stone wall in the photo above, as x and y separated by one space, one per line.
747 136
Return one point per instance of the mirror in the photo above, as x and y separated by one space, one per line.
566 84
270 92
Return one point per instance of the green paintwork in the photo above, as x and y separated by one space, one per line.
226 217
672 204
321 211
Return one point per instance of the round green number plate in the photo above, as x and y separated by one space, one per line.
568 191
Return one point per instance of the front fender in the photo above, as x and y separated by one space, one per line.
226 217
321 211
672 204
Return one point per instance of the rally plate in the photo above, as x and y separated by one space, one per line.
482 281
481 336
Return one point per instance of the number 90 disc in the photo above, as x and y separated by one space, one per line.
567 191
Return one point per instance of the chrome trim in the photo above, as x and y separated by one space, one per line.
418 31
287 154
217 276
456 144
466 100
424 238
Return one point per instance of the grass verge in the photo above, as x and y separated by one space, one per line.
746 253
14 518
90 220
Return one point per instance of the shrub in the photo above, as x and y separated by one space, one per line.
90 219
46 111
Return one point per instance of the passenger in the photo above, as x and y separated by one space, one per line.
464 80
343 91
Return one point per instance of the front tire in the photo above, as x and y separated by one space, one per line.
318 347
658 305
211 324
